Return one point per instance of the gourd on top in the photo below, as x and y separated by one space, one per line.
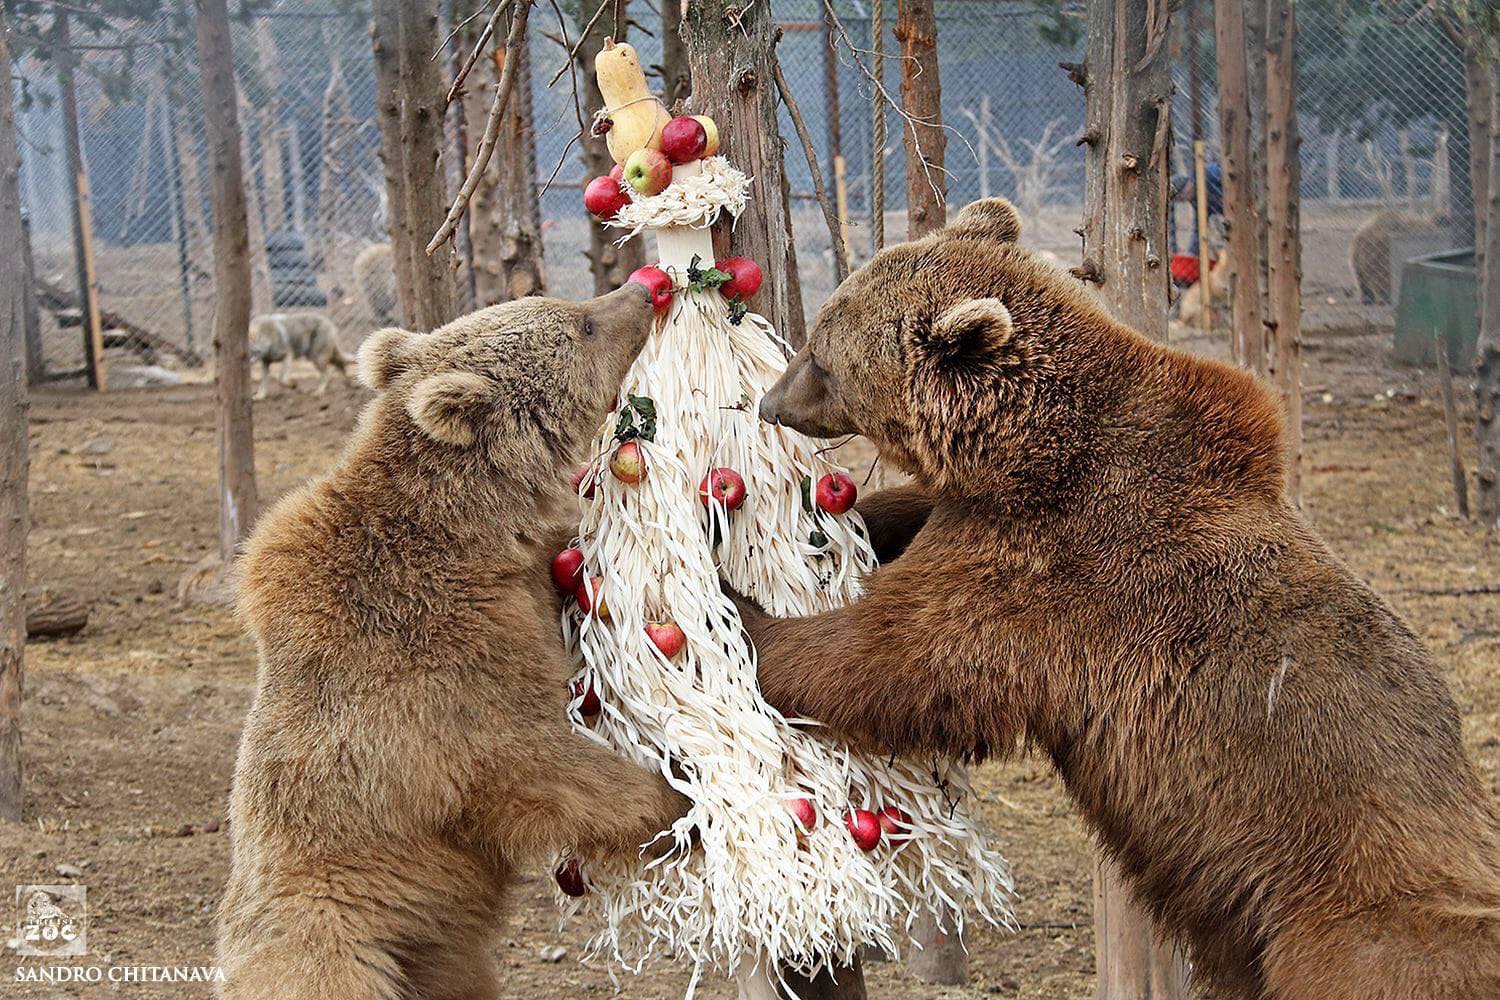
636 116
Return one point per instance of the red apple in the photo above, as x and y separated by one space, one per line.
684 139
805 813
667 637
658 283
648 171
585 472
895 821
724 486
744 277
589 707
604 198
864 828
836 493
590 593
567 570
629 464
711 130
618 173
569 877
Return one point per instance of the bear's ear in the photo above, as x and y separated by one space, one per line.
448 406
970 330
986 219
386 355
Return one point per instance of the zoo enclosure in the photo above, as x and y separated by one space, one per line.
1381 107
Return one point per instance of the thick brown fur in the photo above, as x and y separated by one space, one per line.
1097 559
408 746
1370 253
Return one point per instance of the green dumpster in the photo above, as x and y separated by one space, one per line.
1439 292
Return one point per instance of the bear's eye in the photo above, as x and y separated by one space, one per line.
588 328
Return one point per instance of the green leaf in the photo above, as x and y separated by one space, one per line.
637 419
807 501
703 279
816 537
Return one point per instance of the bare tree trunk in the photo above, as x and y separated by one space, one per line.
1255 55
1283 157
1471 202
1248 338
1127 91
921 98
36 358
83 221
271 115
611 265
340 133
676 76
237 496
1487 360
734 85
255 217
409 97
13 450
505 219
1481 99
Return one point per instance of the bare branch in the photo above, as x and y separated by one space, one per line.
457 28
484 38
513 43
840 255
573 52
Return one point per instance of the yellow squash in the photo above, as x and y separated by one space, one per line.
636 116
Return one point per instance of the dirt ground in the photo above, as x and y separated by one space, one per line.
130 727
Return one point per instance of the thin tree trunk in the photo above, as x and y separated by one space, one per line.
36 356
733 84
1283 155
335 145
1470 197
83 222
272 167
876 195
1487 360
1127 91
1242 217
237 496
255 217
1255 55
1481 98
921 98
505 224
676 76
409 109
13 450
611 265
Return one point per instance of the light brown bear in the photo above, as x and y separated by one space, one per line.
1099 562
408 746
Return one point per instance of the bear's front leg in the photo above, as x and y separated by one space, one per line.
571 793
901 670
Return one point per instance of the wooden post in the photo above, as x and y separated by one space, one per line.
36 358
1200 220
1127 128
409 96
13 449
835 130
83 218
877 129
730 48
1450 423
167 135
921 99
1283 156
1247 338
1487 359
237 496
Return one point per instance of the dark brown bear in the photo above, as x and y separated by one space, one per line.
1099 562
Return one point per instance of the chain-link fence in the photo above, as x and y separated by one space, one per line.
1384 156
